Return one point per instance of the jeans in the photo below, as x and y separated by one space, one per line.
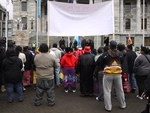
57 71
10 90
132 80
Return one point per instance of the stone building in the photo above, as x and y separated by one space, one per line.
3 22
128 21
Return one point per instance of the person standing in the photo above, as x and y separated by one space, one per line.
85 68
22 57
2 57
62 43
141 70
99 74
12 66
57 57
28 67
112 59
68 64
130 57
45 64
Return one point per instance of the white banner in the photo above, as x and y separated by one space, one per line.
66 19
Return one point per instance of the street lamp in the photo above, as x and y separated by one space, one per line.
18 20
31 19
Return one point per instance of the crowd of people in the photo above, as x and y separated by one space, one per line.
21 67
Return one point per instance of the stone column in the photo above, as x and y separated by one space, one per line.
121 15
91 2
74 1
138 18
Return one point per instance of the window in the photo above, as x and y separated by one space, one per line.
24 6
127 8
45 10
145 23
3 26
147 41
46 26
24 23
1 15
127 23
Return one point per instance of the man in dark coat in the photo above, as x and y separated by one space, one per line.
85 68
62 43
2 57
130 57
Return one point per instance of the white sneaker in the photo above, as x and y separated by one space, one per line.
147 98
97 98
73 91
123 107
141 98
66 91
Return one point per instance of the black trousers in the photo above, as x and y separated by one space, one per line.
140 83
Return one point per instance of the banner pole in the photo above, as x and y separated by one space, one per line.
143 20
113 36
6 30
37 27
48 40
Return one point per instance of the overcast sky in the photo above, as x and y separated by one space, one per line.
10 7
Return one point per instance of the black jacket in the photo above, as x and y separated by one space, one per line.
107 57
12 69
28 63
130 57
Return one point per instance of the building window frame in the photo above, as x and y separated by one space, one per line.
145 23
147 41
24 6
24 23
127 23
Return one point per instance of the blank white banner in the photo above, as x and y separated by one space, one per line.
66 19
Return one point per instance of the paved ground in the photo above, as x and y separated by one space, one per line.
68 103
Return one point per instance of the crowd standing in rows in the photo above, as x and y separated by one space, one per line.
106 65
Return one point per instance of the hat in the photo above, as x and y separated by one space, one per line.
113 43
137 49
87 49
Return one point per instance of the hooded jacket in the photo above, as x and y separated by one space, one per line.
57 54
68 60
108 57
12 69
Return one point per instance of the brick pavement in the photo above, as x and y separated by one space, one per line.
68 103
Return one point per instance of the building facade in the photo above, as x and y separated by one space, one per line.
3 24
130 17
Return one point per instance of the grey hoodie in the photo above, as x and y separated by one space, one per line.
57 54
141 65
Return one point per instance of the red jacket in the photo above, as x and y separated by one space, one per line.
68 60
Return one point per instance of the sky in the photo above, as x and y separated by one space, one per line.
10 7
